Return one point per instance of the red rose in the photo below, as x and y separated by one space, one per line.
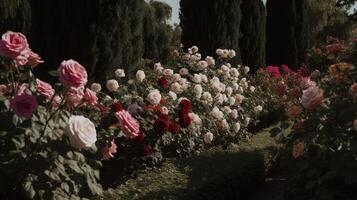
163 82
174 127
163 117
186 104
147 150
116 106
185 120
161 125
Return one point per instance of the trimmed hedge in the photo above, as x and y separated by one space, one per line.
216 174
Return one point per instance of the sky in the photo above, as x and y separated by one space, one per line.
175 4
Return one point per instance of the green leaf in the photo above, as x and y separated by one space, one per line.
29 191
53 73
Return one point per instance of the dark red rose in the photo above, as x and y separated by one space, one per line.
163 82
185 120
163 117
186 104
281 88
116 106
183 112
174 127
147 150
161 125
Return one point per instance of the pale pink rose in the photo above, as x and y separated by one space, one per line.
44 88
312 97
24 105
34 59
90 97
74 97
129 125
3 90
109 150
306 82
72 74
81 132
56 101
13 44
353 90
23 88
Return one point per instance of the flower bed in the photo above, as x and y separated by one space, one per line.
55 137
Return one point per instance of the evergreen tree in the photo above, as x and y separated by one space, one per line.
253 29
287 32
211 24
15 15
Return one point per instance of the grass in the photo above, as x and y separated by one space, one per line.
214 175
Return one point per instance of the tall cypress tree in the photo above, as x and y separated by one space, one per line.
211 24
287 31
253 29
15 15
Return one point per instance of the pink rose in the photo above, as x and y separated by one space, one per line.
108 151
90 97
74 97
14 45
72 74
56 101
34 59
353 90
129 125
45 89
24 105
312 97
294 111
3 90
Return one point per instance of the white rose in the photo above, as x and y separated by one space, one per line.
198 90
184 71
240 90
234 114
247 121
234 72
258 108
176 77
227 109
225 69
231 101
201 65
225 53
158 67
246 69
140 75
204 78
208 137
96 87
224 124
195 119
236 127
196 57
112 85
197 78
252 88
81 132
229 91
216 113
119 73
219 99
168 72
231 53
173 95
210 61
194 49
154 97
131 81
219 52
207 96
176 87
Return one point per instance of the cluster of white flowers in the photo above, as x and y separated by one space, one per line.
226 53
